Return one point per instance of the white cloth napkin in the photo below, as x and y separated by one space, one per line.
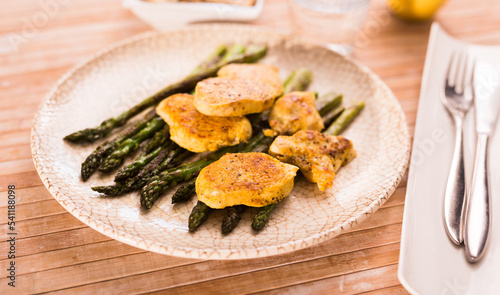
429 263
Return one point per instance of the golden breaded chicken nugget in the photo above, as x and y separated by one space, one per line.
252 179
197 132
319 156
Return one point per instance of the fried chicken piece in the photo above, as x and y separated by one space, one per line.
251 179
266 74
239 90
197 132
319 156
295 111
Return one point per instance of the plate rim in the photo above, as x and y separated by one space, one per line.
222 254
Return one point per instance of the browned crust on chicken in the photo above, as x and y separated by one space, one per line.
295 111
266 74
232 97
319 156
252 179
197 132
239 90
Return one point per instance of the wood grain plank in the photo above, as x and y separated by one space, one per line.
15 138
395 290
102 33
18 124
16 167
95 271
349 283
28 110
56 241
41 82
27 195
209 270
390 215
70 15
21 180
301 272
45 225
72 256
15 153
33 210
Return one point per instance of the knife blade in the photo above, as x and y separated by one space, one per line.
487 91
478 214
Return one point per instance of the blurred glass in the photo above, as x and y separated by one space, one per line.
333 23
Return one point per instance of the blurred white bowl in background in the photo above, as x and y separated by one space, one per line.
173 15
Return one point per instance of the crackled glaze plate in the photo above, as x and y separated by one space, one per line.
124 74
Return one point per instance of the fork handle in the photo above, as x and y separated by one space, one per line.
478 217
455 188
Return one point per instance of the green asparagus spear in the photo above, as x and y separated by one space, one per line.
184 192
252 54
130 145
261 218
174 158
264 145
135 167
298 81
94 160
161 182
345 119
233 216
332 100
198 215
212 60
136 182
329 118
157 140
235 50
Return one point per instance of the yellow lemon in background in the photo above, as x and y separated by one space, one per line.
415 10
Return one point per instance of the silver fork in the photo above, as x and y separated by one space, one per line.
458 98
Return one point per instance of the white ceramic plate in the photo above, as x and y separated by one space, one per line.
121 76
429 262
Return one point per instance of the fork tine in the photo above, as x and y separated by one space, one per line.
448 72
458 72
465 81
472 70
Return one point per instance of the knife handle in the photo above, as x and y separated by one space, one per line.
478 216
454 196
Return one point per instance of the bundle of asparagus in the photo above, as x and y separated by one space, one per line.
339 119
219 58
159 167
110 155
333 116
297 81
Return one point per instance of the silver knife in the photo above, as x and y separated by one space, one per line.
478 214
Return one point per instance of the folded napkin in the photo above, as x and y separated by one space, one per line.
429 262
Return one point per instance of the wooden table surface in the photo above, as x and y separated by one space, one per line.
57 253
